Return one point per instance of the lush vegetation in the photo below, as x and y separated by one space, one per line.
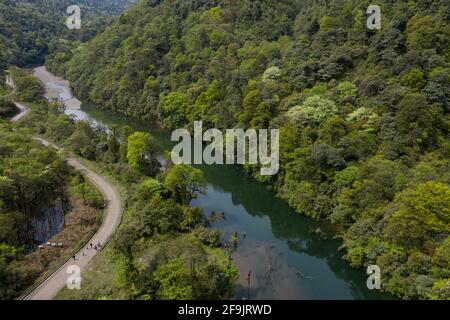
363 114
187 262
29 29
35 186
7 108
27 87
33 179
164 249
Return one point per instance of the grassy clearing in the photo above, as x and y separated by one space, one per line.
98 281
103 277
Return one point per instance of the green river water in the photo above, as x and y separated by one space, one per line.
268 230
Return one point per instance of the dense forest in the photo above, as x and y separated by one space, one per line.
29 29
363 114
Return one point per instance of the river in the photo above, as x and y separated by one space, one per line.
304 266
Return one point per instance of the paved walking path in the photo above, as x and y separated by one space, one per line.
23 112
58 280
50 287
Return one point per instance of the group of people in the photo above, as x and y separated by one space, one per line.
96 247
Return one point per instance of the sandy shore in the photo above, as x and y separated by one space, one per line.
57 88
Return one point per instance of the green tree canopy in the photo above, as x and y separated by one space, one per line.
185 182
142 153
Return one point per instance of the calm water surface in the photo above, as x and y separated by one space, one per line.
269 233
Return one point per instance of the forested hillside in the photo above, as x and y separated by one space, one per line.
363 114
29 29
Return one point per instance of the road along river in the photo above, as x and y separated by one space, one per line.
270 234
50 287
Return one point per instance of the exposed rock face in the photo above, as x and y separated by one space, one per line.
49 223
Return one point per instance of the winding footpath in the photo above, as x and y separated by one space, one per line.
23 112
50 287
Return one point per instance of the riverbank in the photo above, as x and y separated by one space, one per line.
267 228
171 231
57 88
